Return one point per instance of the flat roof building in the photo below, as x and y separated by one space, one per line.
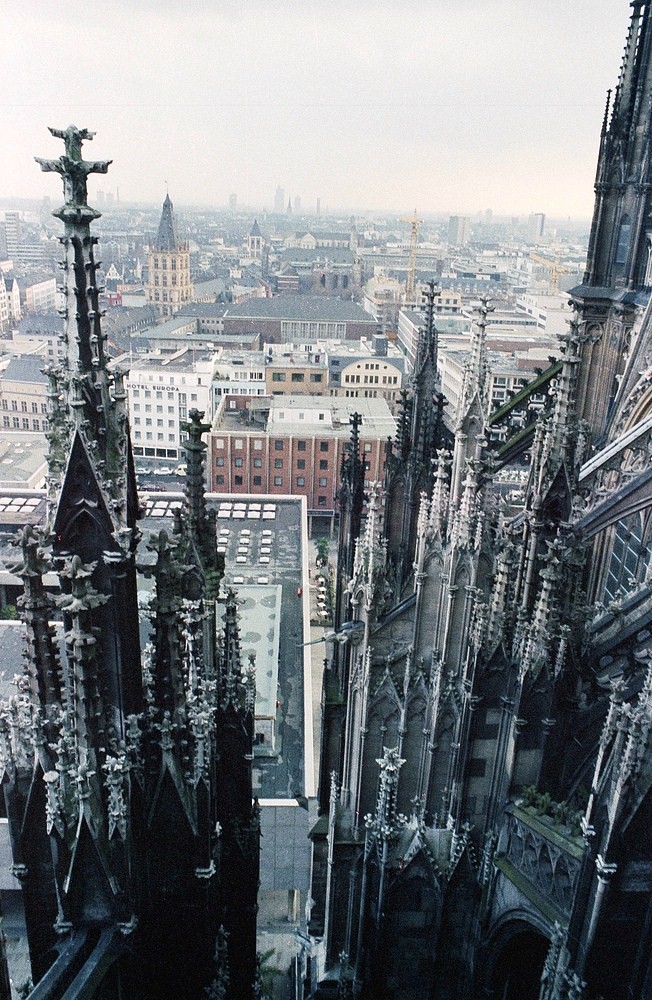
299 318
294 445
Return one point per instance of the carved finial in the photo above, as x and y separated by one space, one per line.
74 171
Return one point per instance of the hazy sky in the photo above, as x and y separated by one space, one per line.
446 105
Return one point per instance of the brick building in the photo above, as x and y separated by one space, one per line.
293 445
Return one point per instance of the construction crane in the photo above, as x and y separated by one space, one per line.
555 268
412 259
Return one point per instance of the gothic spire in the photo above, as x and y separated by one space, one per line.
166 238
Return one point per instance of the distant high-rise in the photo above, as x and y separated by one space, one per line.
536 225
168 282
233 202
289 208
297 203
12 233
279 200
459 230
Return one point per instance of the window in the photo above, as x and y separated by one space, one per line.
316 377
5 421
323 445
258 463
238 443
219 462
44 407
237 480
301 463
16 421
34 407
278 376
257 481
278 463
5 404
323 463
301 480
297 376
321 501
323 481
367 447
219 480
301 445
14 404
278 445
37 425
219 442
278 480
258 445
238 462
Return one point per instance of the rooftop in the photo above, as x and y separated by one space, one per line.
25 368
309 415
301 307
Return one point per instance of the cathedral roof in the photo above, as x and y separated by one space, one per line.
166 237
255 229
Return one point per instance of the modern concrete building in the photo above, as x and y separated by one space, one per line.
459 230
41 296
161 391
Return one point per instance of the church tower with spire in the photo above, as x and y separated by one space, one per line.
168 261
618 274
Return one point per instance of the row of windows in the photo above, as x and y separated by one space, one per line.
23 423
173 280
163 296
24 407
162 262
238 463
371 379
278 481
297 377
279 445
138 435
181 396
148 408
148 422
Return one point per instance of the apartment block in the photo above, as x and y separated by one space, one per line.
294 445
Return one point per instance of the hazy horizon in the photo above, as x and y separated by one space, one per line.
447 108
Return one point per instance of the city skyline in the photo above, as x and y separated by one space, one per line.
493 110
